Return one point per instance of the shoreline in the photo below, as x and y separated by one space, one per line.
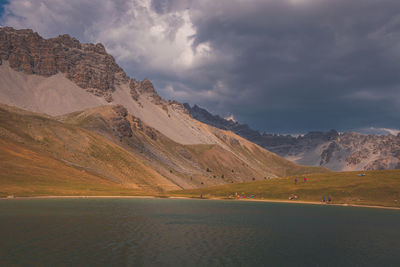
196 198
52 197
322 204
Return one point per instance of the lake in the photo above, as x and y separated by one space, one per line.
181 232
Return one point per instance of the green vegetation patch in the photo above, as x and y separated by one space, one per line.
375 188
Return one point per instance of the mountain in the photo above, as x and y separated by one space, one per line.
42 156
60 75
117 128
337 151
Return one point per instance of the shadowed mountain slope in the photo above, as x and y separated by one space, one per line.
337 151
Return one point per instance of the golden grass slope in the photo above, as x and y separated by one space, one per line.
233 159
375 188
40 152
25 172
261 159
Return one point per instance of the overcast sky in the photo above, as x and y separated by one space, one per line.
286 66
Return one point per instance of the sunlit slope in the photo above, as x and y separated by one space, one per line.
375 188
29 141
233 159
260 158
26 172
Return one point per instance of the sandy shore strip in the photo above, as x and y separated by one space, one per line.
196 198
320 203
297 202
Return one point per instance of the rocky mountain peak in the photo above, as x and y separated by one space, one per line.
67 40
145 86
87 65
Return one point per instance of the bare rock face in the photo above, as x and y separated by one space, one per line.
357 156
146 87
120 123
138 125
134 89
382 164
178 106
88 65
124 125
120 110
327 154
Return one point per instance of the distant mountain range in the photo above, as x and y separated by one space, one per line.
337 151
70 104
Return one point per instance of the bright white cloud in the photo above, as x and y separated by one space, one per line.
131 30
230 118
379 131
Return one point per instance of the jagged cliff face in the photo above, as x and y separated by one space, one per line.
87 65
363 152
339 152
343 152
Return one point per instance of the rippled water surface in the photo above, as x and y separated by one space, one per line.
175 232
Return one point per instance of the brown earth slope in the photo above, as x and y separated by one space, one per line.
40 155
233 159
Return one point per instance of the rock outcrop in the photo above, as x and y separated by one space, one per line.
146 87
120 123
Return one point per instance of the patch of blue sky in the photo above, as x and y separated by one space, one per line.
2 5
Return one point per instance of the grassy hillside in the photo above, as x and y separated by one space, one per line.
40 155
25 172
265 161
375 188
234 159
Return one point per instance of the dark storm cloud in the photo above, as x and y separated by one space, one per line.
279 65
310 65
